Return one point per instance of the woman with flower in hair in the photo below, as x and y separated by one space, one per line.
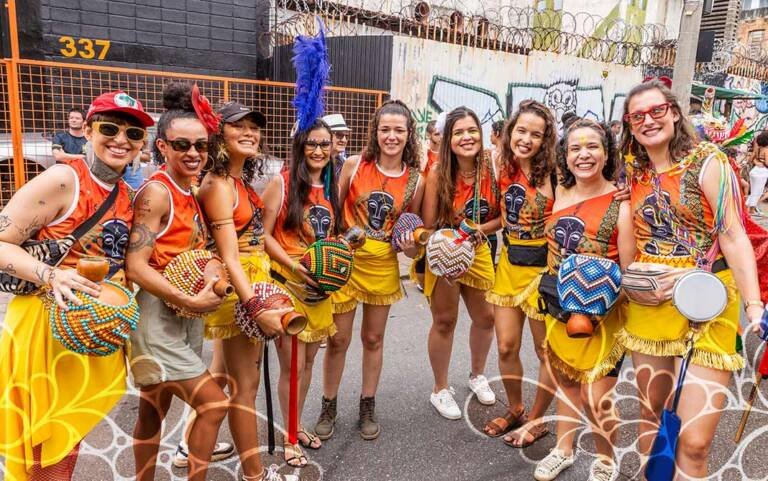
685 205
51 397
461 187
166 348
374 188
234 214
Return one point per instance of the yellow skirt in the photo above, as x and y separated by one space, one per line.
49 396
320 323
585 360
480 275
518 286
221 323
663 331
375 278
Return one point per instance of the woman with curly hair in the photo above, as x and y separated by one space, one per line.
686 213
234 214
375 188
461 186
526 179
587 218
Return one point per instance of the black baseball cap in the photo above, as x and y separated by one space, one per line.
234 111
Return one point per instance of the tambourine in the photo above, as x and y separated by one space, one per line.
587 286
408 222
101 325
699 296
268 296
449 253
190 271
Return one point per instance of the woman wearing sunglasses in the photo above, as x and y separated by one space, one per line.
375 189
166 348
462 186
697 211
302 206
41 432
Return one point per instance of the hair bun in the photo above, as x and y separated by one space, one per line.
178 96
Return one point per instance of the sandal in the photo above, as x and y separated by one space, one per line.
298 460
504 424
538 431
311 439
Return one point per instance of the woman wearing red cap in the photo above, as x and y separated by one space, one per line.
52 397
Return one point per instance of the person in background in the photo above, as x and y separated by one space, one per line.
434 137
616 129
758 175
496 131
68 144
340 133
135 171
567 119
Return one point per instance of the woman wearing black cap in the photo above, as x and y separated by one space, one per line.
234 214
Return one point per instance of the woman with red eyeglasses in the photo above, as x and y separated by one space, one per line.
683 204
50 397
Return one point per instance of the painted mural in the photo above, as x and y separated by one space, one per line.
754 111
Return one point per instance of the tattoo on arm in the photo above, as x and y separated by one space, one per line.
143 209
8 269
28 231
5 222
43 273
141 237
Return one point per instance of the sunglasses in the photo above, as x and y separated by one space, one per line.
656 112
341 135
311 145
183 145
108 129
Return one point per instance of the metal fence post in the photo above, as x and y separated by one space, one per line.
14 98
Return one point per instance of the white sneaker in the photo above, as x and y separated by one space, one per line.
220 451
601 471
271 474
553 464
479 386
445 404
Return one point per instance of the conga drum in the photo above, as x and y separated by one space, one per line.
190 271
101 325
587 286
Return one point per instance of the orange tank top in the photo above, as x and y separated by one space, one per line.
432 158
587 227
681 188
477 198
185 229
375 200
109 237
524 210
248 215
318 220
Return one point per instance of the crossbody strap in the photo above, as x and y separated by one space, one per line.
96 217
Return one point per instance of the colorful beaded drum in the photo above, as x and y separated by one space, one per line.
190 271
98 327
267 296
330 263
588 284
407 222
448 255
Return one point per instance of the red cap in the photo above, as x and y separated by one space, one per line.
119 101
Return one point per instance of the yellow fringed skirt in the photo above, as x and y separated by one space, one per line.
585 360
375 278
49 396
221 323
518 286
319 316
480 275
663 331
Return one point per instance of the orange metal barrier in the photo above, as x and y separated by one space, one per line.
47 90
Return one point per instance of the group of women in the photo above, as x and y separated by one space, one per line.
551 198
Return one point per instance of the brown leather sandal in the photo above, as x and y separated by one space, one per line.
504 424
518 440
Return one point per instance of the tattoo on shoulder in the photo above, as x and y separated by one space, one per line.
141 237
29 230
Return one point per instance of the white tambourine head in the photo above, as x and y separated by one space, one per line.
700 296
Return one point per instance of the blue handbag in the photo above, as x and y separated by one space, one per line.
661 464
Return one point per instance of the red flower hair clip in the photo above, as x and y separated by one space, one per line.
663 79
204 111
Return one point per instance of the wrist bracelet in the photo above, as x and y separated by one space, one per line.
748 304
294 264
51 276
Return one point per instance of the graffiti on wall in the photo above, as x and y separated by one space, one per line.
755 112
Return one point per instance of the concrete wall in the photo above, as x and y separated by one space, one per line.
432 77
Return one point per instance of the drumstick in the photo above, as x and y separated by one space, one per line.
760 374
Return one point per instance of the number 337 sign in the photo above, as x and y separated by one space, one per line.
84 47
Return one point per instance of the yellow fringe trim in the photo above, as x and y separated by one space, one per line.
373 299
221 332
343 307
589 376
481 284
318 335
649 346
713 360
532 312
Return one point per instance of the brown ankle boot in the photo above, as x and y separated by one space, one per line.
327 421
369 428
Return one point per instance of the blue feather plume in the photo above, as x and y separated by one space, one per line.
310 59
